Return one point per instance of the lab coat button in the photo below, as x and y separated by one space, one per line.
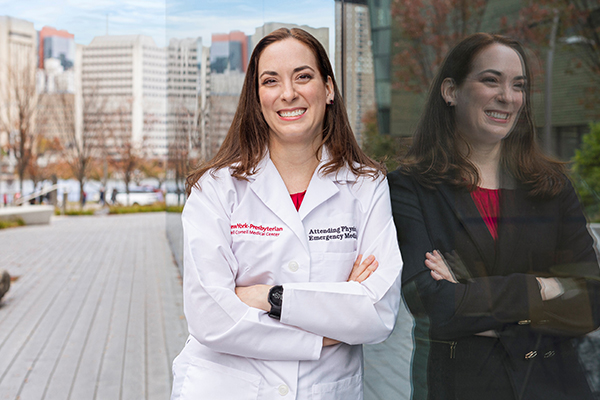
283 390
293 266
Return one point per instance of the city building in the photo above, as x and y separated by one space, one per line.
188 90
126 76
183 90
354 61
229 52
54 79
225 89
56 44
321 34
17 73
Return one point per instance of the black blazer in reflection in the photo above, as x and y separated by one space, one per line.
536 237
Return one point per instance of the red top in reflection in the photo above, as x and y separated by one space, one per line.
488 204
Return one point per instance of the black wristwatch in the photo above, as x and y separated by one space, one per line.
275 300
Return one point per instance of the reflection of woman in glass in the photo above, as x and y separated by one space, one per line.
520 279
276 305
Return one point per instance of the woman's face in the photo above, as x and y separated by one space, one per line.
293 95
489 101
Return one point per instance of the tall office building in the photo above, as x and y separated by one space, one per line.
228 64
58 44
204 76
229 52
128 76
17 72
188 88
354 61
225 89
321 34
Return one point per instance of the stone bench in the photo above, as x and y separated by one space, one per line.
31 215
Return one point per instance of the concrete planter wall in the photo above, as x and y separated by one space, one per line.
31 215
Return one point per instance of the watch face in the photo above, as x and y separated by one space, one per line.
276 295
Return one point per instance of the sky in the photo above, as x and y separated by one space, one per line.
165 19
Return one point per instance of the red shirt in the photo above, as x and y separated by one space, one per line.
488 204
297 199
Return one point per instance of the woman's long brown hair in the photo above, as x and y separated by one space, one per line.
437 153
248 137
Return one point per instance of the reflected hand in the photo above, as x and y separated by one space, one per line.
361 271
439 269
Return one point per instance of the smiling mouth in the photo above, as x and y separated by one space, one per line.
497 115
294 113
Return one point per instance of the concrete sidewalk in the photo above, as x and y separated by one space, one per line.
96 312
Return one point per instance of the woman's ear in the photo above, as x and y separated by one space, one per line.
330 92
449 91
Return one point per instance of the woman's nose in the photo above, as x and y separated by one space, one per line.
508 94
289 92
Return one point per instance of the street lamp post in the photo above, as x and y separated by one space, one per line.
548 97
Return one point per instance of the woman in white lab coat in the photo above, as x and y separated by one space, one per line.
276 305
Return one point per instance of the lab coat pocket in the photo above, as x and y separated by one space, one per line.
332 267
346 389
211 381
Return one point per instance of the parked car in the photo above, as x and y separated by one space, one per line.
137 196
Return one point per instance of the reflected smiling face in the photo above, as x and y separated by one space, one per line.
293 94
490 99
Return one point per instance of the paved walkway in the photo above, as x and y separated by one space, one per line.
96 312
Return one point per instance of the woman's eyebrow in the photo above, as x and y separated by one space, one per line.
498 73
298 69
272 73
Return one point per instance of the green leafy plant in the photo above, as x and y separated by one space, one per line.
586 171
11 223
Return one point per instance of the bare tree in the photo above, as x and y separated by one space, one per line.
17 117
80 145
182 145
126 153
428 29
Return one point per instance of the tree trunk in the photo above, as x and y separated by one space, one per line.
81 194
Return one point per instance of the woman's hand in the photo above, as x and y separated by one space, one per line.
439 269
256 296
361 271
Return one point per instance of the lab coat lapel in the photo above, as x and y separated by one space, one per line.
320 189
467 213
268 185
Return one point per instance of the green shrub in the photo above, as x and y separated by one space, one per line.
57 211
586 172
156 207
11 223
175 209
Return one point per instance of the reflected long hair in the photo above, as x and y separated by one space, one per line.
436 156
247 140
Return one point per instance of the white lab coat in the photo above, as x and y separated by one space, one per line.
241 233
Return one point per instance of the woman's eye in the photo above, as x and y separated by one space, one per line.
268 81
489 79
520 86
304 77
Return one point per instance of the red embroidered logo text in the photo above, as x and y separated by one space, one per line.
257 230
